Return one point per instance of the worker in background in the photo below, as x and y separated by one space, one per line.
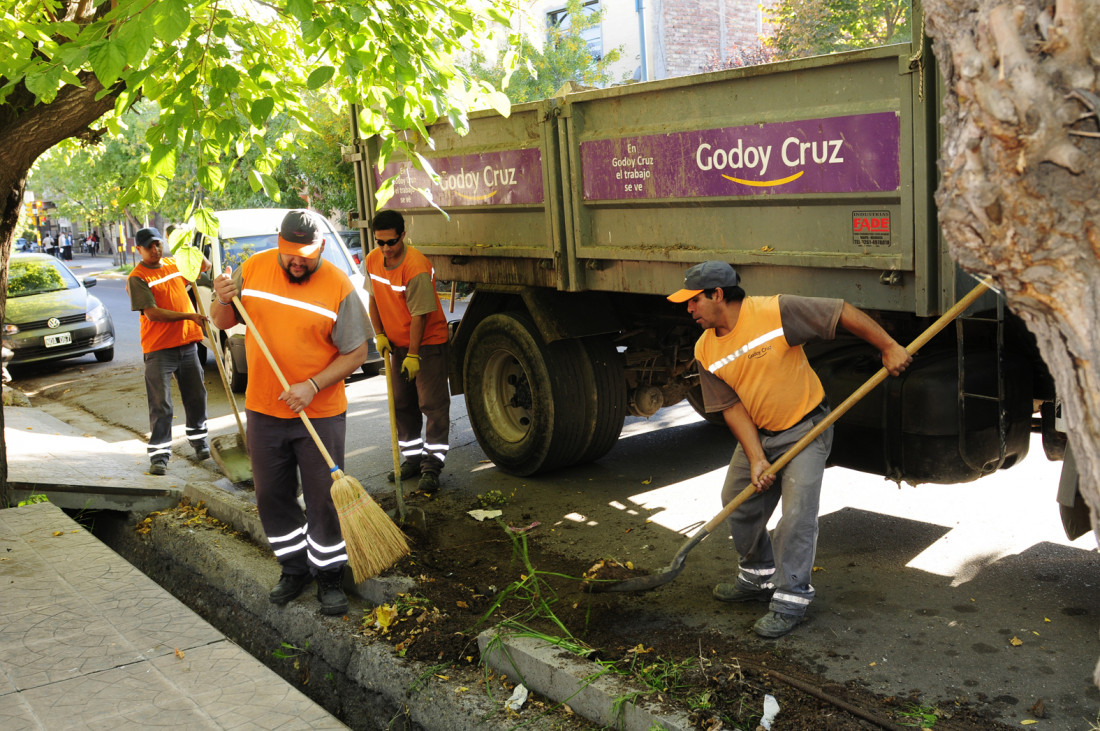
170 329
753 370
412 334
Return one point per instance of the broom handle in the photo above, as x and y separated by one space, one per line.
851 401
336 474
393 437
218 359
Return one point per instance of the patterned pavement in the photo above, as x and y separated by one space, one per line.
89 642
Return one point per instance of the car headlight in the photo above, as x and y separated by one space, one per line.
10 329
96 313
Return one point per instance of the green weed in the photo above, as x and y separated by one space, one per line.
34 500
921 716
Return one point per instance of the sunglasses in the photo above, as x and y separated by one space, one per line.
388 242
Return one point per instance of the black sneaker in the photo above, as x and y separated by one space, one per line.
289 587
202 453
429 483
158 468
409 468
776 624
330 592
739 592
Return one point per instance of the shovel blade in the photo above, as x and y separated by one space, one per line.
231 457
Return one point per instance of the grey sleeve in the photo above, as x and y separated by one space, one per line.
717 394
350 330
809 318
140 294
420 295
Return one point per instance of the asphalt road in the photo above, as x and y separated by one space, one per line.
920 588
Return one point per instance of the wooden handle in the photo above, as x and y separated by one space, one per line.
336 474
221 369
851 401
393 438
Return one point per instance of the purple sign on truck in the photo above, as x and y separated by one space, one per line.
853 154
488 178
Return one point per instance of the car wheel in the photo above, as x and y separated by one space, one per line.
106 355
237 377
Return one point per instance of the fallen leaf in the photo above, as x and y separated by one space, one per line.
647 481
1015 641
461 689
630 565
384 615
872 664
179 653
1045 619
818 568
1028 722
766 248
59 532
462 604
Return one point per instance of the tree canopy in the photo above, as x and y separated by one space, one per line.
816 27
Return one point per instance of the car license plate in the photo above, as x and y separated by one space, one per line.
52 341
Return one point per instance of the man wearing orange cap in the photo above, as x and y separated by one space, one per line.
313 322
753 370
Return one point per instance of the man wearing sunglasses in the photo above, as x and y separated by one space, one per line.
412 335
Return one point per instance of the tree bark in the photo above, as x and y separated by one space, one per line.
28 130
1020 192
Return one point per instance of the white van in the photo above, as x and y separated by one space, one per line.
242 233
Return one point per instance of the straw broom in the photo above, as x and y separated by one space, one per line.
373 542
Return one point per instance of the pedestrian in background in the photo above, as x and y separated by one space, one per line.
313 322
170 329
412 335
753 370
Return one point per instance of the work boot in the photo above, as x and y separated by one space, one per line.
289 587
330 592
158 468
409 468
741 592
429 483
202 452
776 624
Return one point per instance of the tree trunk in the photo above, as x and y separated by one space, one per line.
1020 193
27 130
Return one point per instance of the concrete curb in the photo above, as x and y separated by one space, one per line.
582 685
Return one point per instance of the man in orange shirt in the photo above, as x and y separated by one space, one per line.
753 370
412 334
169 331
313 323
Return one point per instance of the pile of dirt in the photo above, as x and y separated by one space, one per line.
474 575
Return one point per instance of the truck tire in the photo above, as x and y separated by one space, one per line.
695 398
522 395
605 396
237 376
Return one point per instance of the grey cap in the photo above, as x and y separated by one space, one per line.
301 233
707 275
146 236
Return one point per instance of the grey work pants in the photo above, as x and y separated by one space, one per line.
785 559
429 396
160 365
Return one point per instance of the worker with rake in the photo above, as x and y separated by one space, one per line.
313 322
753 370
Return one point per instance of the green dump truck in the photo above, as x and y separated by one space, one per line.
574 217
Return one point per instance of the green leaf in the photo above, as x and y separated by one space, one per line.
500 102
107 60
261 110
170 19
189 262
44 85
206 222
254 180
320 76
162 160
136 38
302 10
212 178
271 186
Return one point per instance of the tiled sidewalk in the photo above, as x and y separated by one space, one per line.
88 641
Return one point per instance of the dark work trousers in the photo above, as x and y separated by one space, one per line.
282 452
160 365
785 559
428 395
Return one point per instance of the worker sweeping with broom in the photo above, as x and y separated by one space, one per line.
307 322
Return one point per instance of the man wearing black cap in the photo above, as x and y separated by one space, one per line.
313 322
752 369
169 331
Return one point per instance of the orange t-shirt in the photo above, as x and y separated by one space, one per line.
772 378
406 290
298 322
169 292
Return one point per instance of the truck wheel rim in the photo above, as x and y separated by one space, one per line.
508 396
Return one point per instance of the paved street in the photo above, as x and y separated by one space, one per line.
919 587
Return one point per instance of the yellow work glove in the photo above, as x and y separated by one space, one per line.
410 367
383 344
